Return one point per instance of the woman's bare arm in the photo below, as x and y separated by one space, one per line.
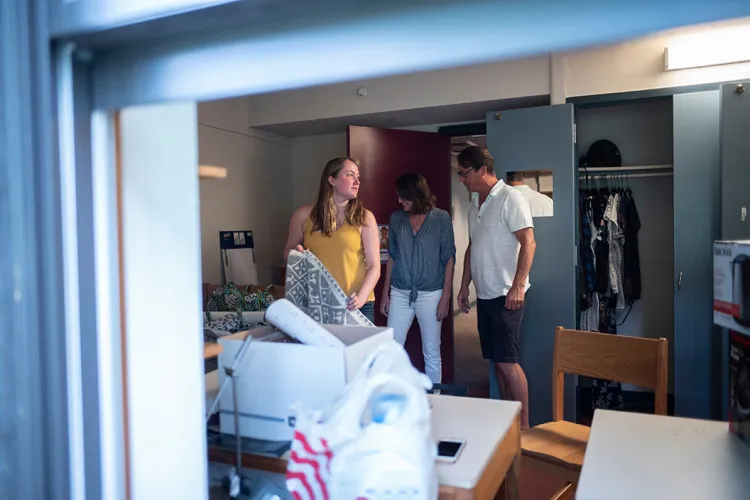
296 233
371 243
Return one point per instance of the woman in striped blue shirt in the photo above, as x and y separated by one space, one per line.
419 274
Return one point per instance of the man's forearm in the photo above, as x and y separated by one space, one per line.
466 276
523 267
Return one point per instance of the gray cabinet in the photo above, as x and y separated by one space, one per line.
735 160
681 218
542 139
697 214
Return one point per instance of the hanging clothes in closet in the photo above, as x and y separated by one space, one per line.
610 267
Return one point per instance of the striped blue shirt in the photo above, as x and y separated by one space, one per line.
419 260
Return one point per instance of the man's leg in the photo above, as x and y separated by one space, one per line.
517 386
508 340
502 384
486 314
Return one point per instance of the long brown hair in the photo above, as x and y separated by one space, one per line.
323 215
414 188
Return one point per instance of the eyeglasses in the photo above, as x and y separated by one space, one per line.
462 174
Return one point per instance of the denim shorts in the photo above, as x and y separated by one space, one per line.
368 310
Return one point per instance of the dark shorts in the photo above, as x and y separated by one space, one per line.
499 330
368 309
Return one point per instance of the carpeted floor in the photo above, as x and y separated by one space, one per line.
473 371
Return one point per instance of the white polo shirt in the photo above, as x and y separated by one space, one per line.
494 247
540 204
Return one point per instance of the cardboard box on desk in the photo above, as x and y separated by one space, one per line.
275 375
732 285
732 311
739 385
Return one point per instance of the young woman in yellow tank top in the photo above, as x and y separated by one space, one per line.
342 233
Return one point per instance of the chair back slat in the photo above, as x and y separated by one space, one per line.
638 361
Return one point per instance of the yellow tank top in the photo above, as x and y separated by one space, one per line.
343 255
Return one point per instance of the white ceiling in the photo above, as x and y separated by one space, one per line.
458 144
454 113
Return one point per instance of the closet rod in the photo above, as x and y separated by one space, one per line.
625 177
630 168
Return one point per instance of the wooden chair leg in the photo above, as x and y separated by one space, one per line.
567 492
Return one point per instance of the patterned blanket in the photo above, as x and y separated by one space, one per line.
310 287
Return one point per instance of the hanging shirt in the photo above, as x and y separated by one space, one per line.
494 247
420 259
615 249
541 205
587 244
632 279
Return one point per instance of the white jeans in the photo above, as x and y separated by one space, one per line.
401 316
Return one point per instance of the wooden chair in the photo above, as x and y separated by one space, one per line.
558 447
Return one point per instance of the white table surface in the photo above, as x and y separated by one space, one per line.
632 455
482 423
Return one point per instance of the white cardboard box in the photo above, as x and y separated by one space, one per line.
273 376
732 285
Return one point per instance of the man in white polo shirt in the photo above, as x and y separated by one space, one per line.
498 260
540 204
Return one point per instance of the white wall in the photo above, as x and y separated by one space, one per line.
256 193
309 156
639 64
162 302
630 66
460 200
502 80
643 133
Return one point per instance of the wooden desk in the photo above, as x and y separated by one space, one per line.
491 428
211 350
633 455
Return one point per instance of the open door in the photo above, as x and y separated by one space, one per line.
543 139
735 148
697 353
384 155
735 198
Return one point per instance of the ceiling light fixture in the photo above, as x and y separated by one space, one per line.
709 49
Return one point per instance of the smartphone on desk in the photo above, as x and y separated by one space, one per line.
450 449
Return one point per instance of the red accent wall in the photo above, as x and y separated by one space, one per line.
384 155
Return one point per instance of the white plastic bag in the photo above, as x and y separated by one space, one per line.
374 442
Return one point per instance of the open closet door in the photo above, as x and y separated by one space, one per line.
696 226
384 155
543 138
735 197
735 151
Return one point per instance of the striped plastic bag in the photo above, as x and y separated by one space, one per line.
374 442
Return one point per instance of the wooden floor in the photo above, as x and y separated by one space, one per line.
473 371
470 369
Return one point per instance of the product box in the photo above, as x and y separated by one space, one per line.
732 285
277 372
739 385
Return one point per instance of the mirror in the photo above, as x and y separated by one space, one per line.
536 187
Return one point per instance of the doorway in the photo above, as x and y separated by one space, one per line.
470 368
